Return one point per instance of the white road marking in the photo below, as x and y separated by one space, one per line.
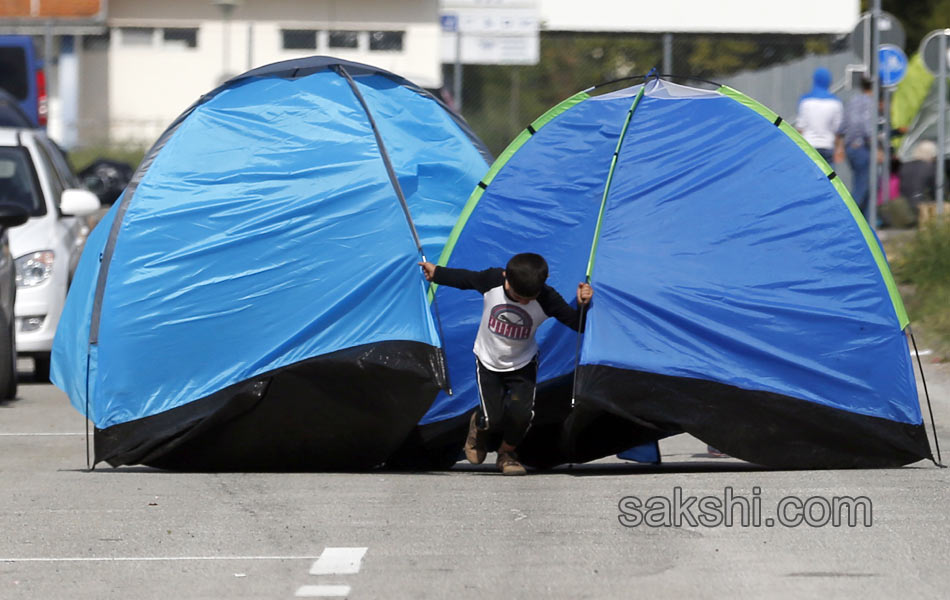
338 561
518 514
37 434
147 558
323 591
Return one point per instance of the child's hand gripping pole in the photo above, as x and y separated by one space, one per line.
428 270
584 293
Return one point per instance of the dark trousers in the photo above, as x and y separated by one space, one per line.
860 161
507 400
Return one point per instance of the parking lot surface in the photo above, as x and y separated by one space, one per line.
575 532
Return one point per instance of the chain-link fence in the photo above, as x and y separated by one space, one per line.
498 101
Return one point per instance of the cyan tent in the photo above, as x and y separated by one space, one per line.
252 301
740 295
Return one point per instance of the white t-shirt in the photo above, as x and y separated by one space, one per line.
505 340
819 120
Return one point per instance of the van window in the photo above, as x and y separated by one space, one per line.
55 155
55 179
13 75
18 182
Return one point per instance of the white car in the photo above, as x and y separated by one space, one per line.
46 248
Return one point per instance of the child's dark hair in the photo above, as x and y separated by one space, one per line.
526 274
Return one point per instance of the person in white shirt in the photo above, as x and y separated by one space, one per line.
516 301
819 116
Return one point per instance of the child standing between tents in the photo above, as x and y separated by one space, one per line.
516 301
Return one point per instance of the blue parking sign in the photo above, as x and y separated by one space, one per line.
449 22
892 64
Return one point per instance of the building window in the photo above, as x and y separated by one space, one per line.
180 37
14 75
97 42
138 36
299 39
386 41
344 39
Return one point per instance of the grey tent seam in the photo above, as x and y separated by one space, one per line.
384 154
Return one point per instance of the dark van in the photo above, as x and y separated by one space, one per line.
22 76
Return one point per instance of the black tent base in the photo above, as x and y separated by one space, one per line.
561 434
346 410
617 409
761 427
558 435
434 446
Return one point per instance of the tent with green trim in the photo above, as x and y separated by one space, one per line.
911 93
740 296
915 106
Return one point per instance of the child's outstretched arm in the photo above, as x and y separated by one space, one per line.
463 279
554 305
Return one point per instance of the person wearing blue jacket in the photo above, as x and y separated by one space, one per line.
820 114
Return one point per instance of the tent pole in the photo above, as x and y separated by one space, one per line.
940 175
667 52
939 461
874 172
600 218
89 465
577 354
383 153
405 209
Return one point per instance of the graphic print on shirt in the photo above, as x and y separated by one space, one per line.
510 321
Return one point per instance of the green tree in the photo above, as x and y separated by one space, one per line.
918 17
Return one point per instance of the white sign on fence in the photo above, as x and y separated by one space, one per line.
491 32
493 49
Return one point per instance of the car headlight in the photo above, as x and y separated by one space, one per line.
34 268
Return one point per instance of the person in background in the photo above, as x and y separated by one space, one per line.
917 183
820 114
857 133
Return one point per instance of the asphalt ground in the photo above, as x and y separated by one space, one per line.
466 533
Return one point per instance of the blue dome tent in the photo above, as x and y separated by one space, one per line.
252 301
740 296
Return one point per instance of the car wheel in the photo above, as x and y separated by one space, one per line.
7 363
41 368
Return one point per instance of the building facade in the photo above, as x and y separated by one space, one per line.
151 60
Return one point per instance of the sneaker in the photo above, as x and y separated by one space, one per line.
475 442
508 464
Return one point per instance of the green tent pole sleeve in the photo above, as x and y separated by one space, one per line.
500 162
610 176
